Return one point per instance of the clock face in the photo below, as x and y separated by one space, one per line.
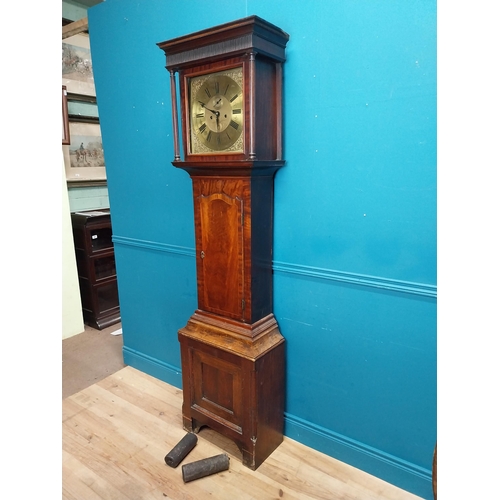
216 112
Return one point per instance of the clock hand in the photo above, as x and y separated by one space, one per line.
216 113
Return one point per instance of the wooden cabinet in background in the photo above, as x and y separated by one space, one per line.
95 258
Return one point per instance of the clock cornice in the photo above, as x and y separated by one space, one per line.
251 34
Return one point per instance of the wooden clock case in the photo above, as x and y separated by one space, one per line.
232 352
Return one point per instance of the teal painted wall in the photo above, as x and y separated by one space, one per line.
73 10
355 214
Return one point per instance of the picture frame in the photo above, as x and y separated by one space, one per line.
84 155
77 72
65 118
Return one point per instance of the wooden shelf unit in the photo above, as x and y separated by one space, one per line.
95 258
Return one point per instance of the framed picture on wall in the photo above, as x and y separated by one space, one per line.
84 155
77 73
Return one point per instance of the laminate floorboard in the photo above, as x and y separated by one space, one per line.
117 431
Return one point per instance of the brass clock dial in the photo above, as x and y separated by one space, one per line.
216 112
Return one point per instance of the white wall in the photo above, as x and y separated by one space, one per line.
72 316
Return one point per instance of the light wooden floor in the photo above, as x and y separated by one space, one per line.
117 432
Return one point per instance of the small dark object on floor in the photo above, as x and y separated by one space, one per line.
205 467
181 449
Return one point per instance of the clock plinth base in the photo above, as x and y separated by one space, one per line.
233 382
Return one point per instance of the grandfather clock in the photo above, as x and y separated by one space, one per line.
232 351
